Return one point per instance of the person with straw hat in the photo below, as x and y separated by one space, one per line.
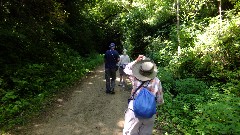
142 70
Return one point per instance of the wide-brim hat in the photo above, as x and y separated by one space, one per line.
144 70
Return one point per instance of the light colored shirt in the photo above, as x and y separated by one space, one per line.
124 59
128 68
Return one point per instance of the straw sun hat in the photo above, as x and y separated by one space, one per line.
144 70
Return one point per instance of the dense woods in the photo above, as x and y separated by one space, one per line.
46 45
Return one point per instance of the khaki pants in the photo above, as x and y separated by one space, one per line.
136 126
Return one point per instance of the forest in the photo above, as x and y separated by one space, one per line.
46 45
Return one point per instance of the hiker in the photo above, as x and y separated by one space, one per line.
142 70
111 59
124 60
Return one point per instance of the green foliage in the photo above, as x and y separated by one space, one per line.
167 79
220 42
177 113
210 56
160 51
206 112
191 10
220 115
190 86
144 22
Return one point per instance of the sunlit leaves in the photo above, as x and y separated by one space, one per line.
218 116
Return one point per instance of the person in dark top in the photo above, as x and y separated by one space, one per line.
111 59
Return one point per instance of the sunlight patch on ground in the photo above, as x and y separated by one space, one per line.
59 100
94 76
37 125
101 71
120 123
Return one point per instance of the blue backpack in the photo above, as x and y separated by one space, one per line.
144 104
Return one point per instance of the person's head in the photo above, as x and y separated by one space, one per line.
112 46
144 70
124 51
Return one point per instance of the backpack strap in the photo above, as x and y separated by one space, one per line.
139 88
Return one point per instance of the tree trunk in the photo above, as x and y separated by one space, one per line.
220 15
178 29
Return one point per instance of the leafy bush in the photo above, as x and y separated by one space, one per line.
160 51
190 86
220 115
193 64
175 116
166 78
228 81
206 112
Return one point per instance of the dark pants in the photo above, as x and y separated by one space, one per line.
110 76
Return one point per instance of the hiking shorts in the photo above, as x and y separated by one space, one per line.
121 72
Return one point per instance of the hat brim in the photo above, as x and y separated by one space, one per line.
136 69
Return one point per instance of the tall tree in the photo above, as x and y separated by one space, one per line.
178 28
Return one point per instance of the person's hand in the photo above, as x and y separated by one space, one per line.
140 57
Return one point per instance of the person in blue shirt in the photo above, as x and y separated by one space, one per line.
111 59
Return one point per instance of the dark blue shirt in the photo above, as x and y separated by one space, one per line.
111 58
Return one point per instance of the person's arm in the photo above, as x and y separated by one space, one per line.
120 61
159 93
139 58
128 68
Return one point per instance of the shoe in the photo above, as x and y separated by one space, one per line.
123 86
112 92
120 84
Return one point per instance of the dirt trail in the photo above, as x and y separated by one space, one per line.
83 109
87 111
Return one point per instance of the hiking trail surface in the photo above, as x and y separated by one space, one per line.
83 109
